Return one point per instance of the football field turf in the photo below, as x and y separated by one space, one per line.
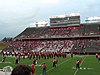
65 66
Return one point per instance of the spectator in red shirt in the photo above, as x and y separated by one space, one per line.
44 69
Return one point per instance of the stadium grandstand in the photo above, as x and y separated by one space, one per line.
65 35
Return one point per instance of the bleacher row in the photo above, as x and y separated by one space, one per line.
86 46
57 32
42 46
68 46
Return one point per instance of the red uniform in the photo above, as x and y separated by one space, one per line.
44 69
78 64
33 69
44 66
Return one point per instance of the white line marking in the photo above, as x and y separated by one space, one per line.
89 68
80 65
83 68
76 72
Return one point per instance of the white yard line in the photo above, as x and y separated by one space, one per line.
80 65
76 71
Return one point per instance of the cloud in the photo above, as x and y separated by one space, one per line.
16 15
51 1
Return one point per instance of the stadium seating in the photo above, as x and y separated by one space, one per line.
26 41
86 46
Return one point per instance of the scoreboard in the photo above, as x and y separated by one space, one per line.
64 20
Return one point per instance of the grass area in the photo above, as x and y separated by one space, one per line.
90 65
2 45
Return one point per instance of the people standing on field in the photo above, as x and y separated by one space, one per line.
17 60
72 55
33 69
55 61
44 68
35 61
98 57
78 62
4 58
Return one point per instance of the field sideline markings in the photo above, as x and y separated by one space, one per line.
83 68
58 65
80 65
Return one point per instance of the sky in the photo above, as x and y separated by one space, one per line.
17 15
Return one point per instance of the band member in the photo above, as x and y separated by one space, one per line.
78 62
55 61
17 60
33 69
4 58
35 61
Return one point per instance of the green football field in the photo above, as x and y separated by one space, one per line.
65 66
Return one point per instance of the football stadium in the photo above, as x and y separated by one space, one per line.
66 47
